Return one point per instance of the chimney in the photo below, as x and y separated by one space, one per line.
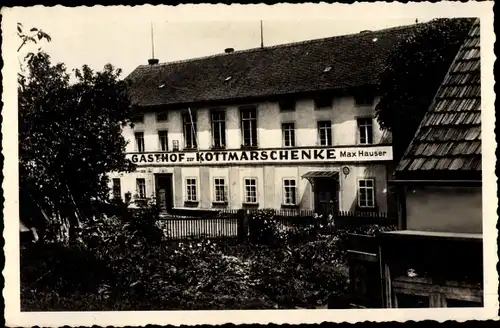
229 50
152 60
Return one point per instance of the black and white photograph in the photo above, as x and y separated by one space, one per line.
166 164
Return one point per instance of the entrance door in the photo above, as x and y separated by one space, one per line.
164 196
326 196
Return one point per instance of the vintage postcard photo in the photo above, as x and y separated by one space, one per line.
209 164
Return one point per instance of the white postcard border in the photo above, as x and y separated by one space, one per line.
14 317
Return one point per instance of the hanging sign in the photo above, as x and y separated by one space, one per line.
309 155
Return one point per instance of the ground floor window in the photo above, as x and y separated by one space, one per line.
289 192
250 190
191 194
117 189
366 193
141 188
220 190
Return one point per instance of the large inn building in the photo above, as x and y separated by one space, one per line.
284 127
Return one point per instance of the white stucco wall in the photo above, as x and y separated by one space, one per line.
343 114
444 209
269 183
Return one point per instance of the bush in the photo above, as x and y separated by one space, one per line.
301 275
109 250
58 267
263 227
373 229
127 264
267 229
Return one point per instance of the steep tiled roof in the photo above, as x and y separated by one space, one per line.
354 60
449 136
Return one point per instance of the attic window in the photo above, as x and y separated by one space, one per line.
161 86
138 118
364 98
287 105
327 69
161 116
228 78
323 101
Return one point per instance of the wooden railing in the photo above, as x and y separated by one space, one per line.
196 223
196 227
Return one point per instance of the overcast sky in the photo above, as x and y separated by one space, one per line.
122 35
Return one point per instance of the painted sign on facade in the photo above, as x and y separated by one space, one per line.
309 155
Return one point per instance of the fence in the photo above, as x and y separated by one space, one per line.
200 227
233 223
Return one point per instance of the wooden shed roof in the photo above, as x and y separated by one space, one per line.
449 136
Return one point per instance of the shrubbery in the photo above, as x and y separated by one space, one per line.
302 275
268 229
129 264
262 227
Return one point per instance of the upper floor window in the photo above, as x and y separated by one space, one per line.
162 116
189 121
163 139
117 188
250 190
287 105
249 126
366 193
323 102
289 192
191 190
141 188
220 190
365 131
138 118
325 133
218 129
288 130
139 142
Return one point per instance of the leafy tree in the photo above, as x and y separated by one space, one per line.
413 74
69 135
33 36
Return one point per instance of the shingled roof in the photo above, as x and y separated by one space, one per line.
449 137
324 64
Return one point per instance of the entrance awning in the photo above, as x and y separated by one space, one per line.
311 176
321 174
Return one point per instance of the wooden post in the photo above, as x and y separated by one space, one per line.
383 296
242 216
387 285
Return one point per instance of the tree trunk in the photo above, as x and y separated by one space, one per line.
76 217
